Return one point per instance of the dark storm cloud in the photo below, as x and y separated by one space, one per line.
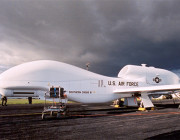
108 34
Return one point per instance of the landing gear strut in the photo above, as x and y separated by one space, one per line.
146 103
4 101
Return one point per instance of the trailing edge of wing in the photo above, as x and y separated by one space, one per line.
149 89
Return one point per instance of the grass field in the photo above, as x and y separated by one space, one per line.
25 101
34 101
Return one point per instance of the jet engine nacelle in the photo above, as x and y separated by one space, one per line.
150 75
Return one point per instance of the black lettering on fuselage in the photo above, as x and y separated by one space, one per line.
111 83
132 84
121 84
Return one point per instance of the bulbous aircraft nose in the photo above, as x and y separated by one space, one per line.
5 92
1 92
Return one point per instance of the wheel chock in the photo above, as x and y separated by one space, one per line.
116 106
141 109
152 108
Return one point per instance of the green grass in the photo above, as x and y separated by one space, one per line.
25 101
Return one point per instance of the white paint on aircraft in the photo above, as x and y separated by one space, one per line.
35 78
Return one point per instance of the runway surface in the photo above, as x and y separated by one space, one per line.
91 122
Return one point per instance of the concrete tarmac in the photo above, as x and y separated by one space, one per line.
100 121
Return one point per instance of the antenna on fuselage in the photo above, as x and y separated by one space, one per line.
87 66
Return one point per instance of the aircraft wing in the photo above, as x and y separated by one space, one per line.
149 89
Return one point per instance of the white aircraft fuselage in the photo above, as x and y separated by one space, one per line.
35 78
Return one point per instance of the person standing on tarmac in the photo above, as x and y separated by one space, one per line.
4 101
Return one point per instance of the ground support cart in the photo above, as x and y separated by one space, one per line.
58 106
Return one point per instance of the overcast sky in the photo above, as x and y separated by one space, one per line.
108 34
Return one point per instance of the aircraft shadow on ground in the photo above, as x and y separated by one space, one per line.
93 113
84 113
167 105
